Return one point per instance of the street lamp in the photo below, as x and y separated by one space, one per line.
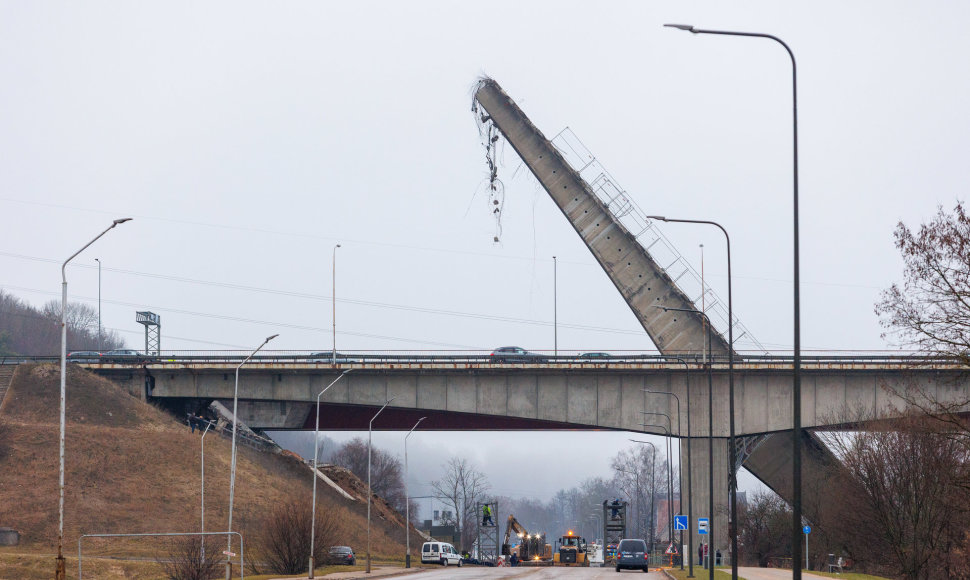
316 454
407 498
207 425
797 345
333 303
710 423
680 480
653 483
60 571
733 477
670 485
636 478
555 307
370 430
235 429
100 348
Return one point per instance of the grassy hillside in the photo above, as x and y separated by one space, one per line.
131 468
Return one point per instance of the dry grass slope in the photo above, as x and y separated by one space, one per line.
131 468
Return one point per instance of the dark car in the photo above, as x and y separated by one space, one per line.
122 355
632 554
596 355
515 354
342 555
328 356
84 356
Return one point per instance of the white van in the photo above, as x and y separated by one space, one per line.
440 553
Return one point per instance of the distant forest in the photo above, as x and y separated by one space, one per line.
25 330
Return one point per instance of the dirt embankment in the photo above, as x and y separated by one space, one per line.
131 468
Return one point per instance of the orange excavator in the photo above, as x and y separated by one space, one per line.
532 549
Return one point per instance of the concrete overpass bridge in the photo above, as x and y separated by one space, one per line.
472 392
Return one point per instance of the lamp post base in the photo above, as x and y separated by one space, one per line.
407 560
228 570
60 570
310 573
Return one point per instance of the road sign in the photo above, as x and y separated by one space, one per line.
228 553
671 549
702 524
807 529
680 523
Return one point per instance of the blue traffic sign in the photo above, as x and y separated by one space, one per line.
702 524
680 523
807 529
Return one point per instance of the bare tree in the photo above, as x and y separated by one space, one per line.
187 560
764 528
463 489
387 473
906 513
284 543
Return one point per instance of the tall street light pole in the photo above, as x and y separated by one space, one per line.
555 307
653 483
797 341
407 498
680 480
235 430
100 348
370 430
333 303
202 469
733 470
710 424
670 484
61 564
636 483
316 456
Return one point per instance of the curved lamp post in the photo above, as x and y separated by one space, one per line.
407 498
653 483
333 303
710 422
670 484
680 460
60 571
235 429
797 354
316 453
370 430
733 470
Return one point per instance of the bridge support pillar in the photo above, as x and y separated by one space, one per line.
700 486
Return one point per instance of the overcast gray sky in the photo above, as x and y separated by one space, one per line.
247 138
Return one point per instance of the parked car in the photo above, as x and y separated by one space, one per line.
632 554
342 555
84 356
440 553
515 354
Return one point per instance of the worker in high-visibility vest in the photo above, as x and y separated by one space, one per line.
487 516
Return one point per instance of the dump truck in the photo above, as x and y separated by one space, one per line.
571 551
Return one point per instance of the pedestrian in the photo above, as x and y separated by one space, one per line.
615 508
700 554
717 558
487 515
514 560
192 422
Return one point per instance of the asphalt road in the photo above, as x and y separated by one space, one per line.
549 573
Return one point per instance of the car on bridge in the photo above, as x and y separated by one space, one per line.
328 356
84 356
516 354
596 355
123 355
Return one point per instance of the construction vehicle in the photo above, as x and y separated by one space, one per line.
571 551
532 549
